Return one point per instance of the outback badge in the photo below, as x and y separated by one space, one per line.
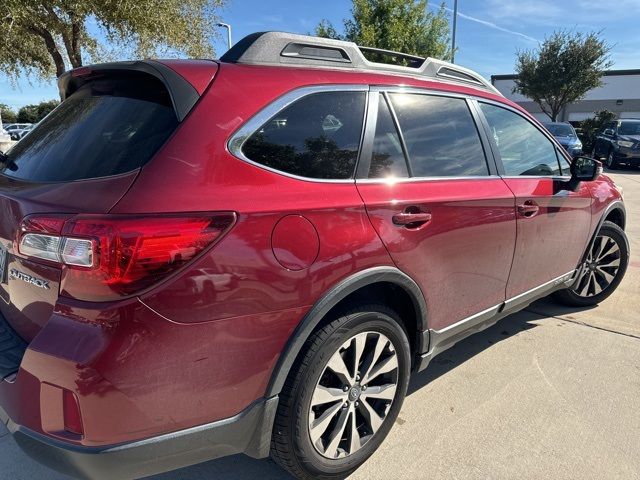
38 282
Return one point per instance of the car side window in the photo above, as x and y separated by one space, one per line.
387 157
318 136
524 149
440 135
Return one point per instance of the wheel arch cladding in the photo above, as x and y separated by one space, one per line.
388 285
616 215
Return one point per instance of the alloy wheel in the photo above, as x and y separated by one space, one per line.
600 268
353 395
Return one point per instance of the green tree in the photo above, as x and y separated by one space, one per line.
35 113
46 37
406 26
592 126
565 67
7 114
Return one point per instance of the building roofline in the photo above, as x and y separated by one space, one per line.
607 73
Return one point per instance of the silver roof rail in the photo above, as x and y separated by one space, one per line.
279 48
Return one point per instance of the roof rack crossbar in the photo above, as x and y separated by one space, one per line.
279 48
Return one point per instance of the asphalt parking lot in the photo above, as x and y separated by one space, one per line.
549 392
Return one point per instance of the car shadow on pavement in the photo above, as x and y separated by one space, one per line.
471 346
242 467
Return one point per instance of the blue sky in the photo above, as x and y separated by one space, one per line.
489 31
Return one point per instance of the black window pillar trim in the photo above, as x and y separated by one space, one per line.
330 299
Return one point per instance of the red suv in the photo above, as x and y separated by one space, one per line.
200 258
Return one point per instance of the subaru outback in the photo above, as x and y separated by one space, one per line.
201 258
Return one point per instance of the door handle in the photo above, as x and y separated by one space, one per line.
528 209
411 219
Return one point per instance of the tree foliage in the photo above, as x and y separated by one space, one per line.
592 126
7 114
406 26
566 66
35 113
46 37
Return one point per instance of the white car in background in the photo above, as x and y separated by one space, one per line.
4 136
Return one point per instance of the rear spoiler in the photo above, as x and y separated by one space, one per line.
183 95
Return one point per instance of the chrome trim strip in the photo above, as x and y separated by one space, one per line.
473 319
422 179
237 140
534 292
490 312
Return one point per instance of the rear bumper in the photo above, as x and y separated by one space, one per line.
153 395
248 432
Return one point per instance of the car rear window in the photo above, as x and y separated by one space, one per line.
109 126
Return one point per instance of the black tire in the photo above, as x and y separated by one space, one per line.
612 162
291 445
571 298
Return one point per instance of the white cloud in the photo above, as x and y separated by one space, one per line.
492 25
497 27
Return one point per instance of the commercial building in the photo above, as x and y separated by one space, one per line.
620 93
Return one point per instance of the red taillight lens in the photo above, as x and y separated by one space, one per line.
71 413
107 257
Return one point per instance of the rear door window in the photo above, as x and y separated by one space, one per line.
110 126
440 136
317 136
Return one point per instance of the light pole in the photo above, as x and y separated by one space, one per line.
453 35
228 27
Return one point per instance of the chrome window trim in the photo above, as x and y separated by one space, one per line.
424 179
251 126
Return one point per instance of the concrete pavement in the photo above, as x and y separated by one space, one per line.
550 392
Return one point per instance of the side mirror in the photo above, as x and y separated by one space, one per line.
584 169
609 132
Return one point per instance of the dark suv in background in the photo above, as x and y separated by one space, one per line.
201 258
619 143
566 136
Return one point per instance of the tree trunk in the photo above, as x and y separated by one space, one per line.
51 48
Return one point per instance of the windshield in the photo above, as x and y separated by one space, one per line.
111 125
629 128
560 129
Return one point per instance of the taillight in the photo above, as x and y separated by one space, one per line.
110 256
71 413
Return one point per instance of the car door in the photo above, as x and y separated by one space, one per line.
436 201
553 223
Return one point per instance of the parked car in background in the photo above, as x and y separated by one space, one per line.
4 135
566 135
619 143
202 258
20 133
10 127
